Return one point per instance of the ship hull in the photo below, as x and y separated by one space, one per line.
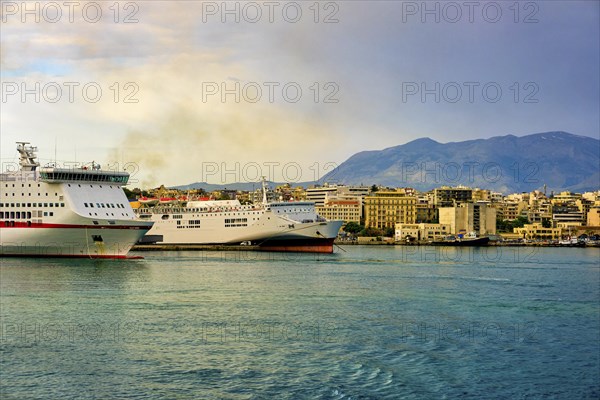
266 230
77 241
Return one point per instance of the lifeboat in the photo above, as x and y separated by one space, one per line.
150 201
168 200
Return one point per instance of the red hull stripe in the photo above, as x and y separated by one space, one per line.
71 226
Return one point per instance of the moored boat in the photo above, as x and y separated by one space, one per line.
459 240
66 212
272 226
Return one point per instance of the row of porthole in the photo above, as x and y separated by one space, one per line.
22 185
29 194
31 205
21 214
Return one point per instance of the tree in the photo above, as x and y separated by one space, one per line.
353 228
519 222
389 232
374 188
370 231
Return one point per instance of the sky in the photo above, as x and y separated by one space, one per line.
177 92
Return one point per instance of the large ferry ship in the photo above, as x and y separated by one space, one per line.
272 226
65 212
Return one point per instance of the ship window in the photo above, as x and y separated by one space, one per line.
91 205
51 214
97 238
51 205
62 204
45 213
69 185
98 205
85 204
95 222
45 204
28 204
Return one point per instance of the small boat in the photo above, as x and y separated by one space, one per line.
470 239
571 242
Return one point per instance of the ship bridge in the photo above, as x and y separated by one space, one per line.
83 175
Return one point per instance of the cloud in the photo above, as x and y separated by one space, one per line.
163 60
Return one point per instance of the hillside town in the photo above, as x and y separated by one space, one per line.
404 215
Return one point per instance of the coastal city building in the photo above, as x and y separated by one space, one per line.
321 193
537 231
420 232
469 217
384 209
446 196
593 217
347 210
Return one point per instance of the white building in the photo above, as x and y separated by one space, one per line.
421 231
469 217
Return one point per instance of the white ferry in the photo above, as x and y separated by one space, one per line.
274 226
65 212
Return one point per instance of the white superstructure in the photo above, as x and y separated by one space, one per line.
280 226
65 212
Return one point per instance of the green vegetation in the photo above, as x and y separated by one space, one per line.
503 226
371 232
353 228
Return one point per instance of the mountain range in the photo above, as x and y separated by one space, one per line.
508 164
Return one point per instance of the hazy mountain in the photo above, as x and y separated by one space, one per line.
560 160
508 164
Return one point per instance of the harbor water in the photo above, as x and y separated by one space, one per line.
368 322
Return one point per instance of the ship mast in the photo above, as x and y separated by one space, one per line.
27 154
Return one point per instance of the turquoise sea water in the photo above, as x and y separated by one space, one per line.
364 323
